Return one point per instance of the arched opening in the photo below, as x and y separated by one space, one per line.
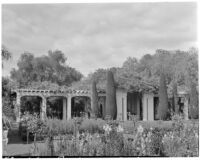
31 104
81 106
55 107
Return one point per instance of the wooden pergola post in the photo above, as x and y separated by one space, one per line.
64 108
186 105
44 107
69 106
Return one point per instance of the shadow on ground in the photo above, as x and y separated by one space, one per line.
16 146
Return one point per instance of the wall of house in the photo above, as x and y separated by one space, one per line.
121 98
148 106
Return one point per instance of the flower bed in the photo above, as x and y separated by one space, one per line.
100 138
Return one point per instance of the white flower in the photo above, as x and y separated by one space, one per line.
120 129
140 129
107 128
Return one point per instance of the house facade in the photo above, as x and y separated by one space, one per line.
143 105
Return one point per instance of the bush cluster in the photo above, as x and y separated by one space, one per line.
90 137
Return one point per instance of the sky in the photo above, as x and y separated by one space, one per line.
96 36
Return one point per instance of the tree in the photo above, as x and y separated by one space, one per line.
94 99
5 54
194 102
145 65
163 99
175 97
24 74
129 67
7 105
144 74
50 68
111 106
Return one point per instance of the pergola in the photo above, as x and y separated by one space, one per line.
66 95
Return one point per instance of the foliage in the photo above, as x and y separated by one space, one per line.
92 126
33 123
5 122
111 96
181 144
143 74
175 98
7 105
5 87
50 68
177 122
194 102
112 140
56 126
46 85
181 140
5 54
163 99
94 99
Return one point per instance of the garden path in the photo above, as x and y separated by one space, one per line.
16 146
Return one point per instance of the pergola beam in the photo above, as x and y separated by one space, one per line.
44 94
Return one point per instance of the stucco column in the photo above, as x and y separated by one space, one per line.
18 107
69 106
150 107
186 104
43 108
125 106
148 111
64 109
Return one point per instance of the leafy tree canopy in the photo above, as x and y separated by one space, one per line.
144 74
51 68
5 53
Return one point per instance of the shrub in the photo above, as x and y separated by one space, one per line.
175 98
181 140
98 138
163 100
111 106
92 126
177 123
194 104
32 124
94 99
57 126
181 144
